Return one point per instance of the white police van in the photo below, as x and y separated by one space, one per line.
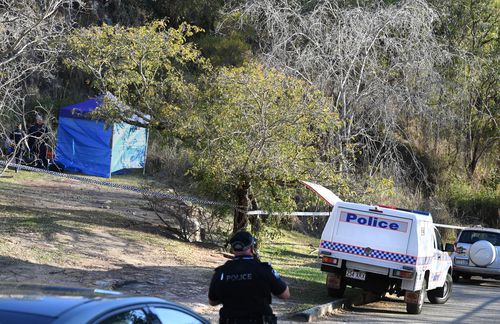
383 249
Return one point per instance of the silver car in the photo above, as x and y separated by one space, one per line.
477 253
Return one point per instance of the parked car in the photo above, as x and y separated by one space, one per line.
477 253
42 304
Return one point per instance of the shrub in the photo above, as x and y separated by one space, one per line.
472 204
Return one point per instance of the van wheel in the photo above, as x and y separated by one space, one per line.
417 308
378 295
455 276
436 296
336 292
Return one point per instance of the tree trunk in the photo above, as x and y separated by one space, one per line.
240 214
255 220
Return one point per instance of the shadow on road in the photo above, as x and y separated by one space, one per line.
178 283
480 282
466 317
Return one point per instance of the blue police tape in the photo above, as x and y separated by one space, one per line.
121 186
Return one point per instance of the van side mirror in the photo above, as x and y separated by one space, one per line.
449 247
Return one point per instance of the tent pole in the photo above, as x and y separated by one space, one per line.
145 153
111 148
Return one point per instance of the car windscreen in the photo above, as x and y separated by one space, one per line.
24 318
472 237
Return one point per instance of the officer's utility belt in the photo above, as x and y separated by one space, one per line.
268 319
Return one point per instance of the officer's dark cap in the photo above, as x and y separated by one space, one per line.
242 241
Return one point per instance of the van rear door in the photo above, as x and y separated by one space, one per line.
322 192
378 229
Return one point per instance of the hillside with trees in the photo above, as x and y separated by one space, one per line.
393 102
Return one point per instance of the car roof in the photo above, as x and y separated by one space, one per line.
39 305
73 304
54 306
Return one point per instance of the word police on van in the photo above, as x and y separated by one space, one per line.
372 221
383 249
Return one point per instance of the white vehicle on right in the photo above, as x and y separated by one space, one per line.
477 253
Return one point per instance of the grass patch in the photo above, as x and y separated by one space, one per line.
57 255
185 253
20 220
294 256
133 179
136 236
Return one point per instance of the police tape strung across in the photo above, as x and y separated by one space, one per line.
120 186
373 221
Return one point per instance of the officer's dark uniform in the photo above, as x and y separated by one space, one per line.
37 144
244 286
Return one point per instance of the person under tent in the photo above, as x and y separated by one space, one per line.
37 142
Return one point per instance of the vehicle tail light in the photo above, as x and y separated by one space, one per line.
330 260
403 274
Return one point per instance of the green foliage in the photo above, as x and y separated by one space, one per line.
473 204
260 131
472 29
379 191
294 256
231 45
149 68
227 50
202 13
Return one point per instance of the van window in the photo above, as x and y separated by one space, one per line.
438 242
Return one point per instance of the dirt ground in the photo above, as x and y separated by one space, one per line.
63 232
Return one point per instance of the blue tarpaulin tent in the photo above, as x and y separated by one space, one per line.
92 147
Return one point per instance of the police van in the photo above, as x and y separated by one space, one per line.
383 249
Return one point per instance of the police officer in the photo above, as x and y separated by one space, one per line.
244 285
36 141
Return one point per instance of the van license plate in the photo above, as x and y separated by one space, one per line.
359 275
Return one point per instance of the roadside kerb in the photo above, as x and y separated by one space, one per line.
317 312
314 313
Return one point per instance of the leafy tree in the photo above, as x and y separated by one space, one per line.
259 132
150 68
225 50
472 31
230 43
251 131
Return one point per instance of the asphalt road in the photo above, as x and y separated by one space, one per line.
476 301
